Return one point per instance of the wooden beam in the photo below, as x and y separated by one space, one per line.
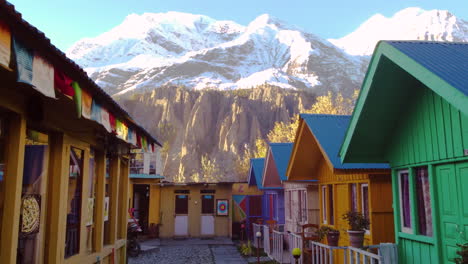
13 183
57 201
100 159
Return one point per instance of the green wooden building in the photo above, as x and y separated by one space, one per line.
413 113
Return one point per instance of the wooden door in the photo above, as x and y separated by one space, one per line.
207 215
453 207
181 215
462 175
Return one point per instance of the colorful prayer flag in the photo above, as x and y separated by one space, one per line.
77 97
86 101
5 45
63 83
105 120
24 62
122 130
112 123
138 144
43 76
96 112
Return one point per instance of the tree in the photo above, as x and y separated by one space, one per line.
284 132
210 169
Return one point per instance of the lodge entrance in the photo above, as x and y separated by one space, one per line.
181 213
452 180
141 205
207 213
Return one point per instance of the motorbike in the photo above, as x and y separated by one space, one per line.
133 229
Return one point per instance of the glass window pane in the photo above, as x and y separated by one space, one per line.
107 203
365 200
405 200
330 204
33 197
423 198
75 183
3 127
354 198
324 204
208 204
90 203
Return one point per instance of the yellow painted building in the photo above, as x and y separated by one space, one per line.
64 155
196 210
342 187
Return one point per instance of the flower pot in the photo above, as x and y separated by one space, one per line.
356 238
332 238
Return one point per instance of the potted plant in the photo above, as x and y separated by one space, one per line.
332 234
358 223
462 253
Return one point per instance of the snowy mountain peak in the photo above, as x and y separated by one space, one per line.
412 23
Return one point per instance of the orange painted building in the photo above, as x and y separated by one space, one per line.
342 187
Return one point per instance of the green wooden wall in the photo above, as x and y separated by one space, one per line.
430 131
416 252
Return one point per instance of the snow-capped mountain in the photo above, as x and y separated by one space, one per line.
408 24
151 50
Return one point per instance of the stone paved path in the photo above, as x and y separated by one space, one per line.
191 251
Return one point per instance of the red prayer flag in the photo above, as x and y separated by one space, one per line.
63 83
138 141
112 123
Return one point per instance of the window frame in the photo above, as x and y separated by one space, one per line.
324 204
408 230
361 187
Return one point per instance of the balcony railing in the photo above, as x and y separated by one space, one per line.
295 241
277 251
267 240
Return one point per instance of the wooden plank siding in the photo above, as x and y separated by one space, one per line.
432 130
380 201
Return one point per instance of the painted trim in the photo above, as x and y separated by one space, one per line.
324 204
418 238
408 230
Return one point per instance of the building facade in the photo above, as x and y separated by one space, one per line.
413 113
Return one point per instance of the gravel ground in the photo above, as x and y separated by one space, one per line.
193 254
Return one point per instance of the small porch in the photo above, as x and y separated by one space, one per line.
278 245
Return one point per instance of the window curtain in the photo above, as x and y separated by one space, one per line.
424 202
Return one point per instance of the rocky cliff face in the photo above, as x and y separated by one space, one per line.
218 124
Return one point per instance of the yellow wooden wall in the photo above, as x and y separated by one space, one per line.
380 201
222 223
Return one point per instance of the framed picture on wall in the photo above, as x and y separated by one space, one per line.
222 207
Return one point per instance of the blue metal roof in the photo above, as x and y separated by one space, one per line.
329 130
281 153
256 171
146 176
447 60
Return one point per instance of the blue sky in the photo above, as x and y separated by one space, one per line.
67 21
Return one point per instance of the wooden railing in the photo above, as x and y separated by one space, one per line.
257 241
357 255
322 254
295 241
267 240
278 245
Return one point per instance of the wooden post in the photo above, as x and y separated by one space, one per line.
114 203
13 183
123 206
57 201
100 159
